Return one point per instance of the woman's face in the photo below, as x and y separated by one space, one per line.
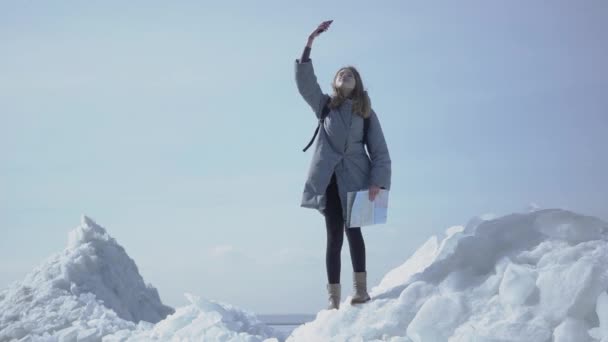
345 80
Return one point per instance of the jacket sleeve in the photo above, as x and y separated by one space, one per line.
308 86
378 152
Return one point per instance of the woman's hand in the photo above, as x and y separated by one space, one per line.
322 27
373 191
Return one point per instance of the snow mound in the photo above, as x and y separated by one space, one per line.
534 276
203 320
92 291
92 287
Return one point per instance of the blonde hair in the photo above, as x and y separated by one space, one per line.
361 102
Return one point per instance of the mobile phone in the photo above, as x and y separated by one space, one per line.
323 30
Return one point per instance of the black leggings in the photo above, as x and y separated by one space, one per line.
334 223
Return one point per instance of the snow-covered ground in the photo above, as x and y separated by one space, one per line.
92 290
535 276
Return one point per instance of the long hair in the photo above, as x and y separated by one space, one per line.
361 102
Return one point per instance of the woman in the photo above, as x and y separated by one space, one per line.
340 164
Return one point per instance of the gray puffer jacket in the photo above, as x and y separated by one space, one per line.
339 147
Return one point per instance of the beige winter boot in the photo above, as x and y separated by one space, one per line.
360 287
334 296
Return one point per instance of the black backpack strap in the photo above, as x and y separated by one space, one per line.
365 129
324 113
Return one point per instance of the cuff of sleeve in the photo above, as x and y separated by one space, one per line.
381 185
303 69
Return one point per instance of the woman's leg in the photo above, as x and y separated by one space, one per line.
334 222
357 248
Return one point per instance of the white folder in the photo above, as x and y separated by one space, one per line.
363 212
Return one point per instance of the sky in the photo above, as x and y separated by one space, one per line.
178 127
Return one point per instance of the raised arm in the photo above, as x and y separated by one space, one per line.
378 152
306 54
306 80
